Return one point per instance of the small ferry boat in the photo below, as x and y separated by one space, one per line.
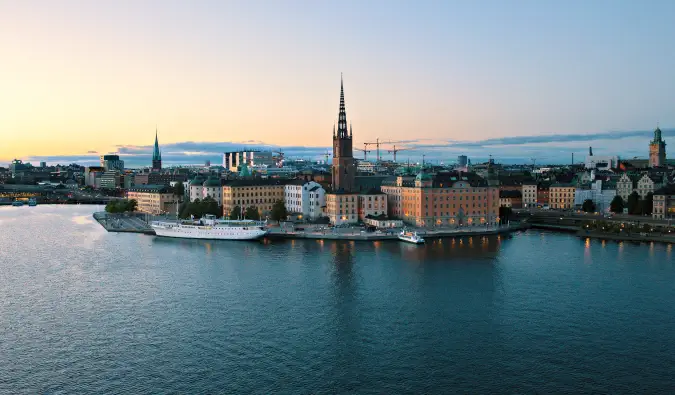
209 227
32 202
17 203
410 237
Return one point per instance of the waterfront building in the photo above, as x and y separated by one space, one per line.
305 199
657 150
112 162
664 203
650 182
342 207
233 160
372 203
626 185
156 155
543 194
154 199
157 178
562 196
444 199
259 193
462 161
529 194
601 192
510 198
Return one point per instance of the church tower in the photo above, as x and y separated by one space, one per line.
156 155
657 150
344 169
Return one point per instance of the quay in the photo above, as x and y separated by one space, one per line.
139 223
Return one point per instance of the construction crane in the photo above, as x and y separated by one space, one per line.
279 158
365 152
395 150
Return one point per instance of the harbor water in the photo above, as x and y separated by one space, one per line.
86 311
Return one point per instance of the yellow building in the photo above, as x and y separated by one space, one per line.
342 208
561 196
154 199
445 199
372 203
261 194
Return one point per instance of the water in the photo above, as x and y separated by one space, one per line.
85 311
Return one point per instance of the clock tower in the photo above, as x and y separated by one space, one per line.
344 169
657 150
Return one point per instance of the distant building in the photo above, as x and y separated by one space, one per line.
600 162
112 162
372 204
43 164
529 194
657 150
510 198
600 192
462 161
92 176
233 161
111 179
154 199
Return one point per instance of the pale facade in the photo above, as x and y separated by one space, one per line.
625 186
601 193
372 204
648 184
664 203
529 195
450 199
305 198
342 208
561 197
154 199
261 194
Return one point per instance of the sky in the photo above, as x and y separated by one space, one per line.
82 78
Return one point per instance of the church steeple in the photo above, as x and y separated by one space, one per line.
156 155
344 169
342 114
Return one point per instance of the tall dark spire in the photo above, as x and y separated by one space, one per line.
342 115
156 155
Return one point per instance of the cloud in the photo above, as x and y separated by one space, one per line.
556 148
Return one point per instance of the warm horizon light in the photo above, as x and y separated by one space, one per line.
83 78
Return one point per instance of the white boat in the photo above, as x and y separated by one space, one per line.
209 227
410 237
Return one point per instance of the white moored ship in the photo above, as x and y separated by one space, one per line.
209 227
410 237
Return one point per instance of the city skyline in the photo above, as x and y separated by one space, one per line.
516 81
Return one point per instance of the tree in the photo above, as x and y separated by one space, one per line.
617 205
131 205
279 211
235 213
179 189
121 206
647 205
588 206
504 213
252 213
633 203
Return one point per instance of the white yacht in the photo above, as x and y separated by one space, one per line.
410 237
209 227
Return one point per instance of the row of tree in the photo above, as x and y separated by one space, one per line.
199 208
278 213
121 206
635 205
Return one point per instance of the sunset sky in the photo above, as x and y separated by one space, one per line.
79 78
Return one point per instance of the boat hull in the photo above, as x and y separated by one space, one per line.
210 234
407 240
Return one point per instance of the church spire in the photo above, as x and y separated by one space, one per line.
156 154
342 115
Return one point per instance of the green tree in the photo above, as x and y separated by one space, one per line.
131 205
279 211
235 213
588 206
647 205
633 203
252 213
179 189
210 206
616 206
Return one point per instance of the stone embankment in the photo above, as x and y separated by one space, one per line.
124 223
631 237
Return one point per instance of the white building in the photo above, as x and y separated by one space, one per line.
649 183
601 162
601 193
200 188
233 160
305 198
529 194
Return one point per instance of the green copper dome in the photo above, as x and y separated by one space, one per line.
423 176
197 181
212 182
